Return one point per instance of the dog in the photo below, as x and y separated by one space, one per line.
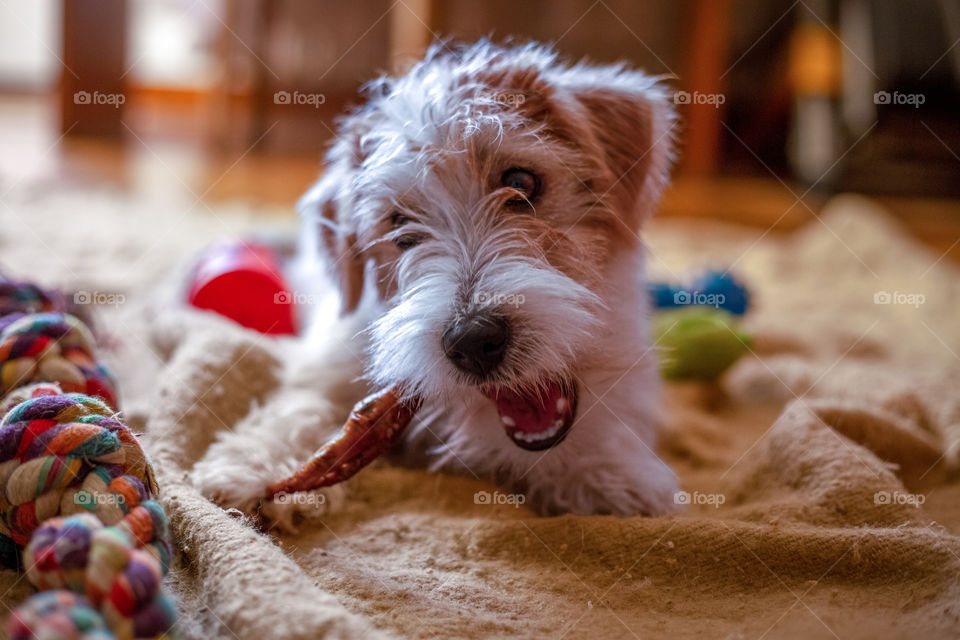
478 224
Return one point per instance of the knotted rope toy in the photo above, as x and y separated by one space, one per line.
26 297
58 614
76 488
118 569
59 454
51 347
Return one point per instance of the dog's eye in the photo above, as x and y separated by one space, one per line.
403 241
522 180
406 241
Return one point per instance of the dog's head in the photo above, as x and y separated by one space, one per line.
482 197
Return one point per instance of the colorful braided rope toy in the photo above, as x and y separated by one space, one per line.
58 614
76 489
51 347
24 297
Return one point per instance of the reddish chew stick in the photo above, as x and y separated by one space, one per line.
374 425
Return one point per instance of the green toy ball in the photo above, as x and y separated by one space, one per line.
697 343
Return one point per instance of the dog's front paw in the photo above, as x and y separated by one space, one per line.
288 512
230 483
647 488
234 483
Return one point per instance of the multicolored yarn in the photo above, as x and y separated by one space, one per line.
61 455
75 485
22 394
26 297
51 347
116 568
59 614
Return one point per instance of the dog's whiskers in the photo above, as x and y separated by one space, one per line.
516 180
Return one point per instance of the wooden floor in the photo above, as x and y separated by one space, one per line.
153 158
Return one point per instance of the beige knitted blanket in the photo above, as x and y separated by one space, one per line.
820 472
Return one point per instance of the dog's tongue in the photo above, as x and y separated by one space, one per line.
537 421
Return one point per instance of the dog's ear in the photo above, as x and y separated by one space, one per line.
632 119
329 234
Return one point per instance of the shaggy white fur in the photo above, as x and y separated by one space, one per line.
414 226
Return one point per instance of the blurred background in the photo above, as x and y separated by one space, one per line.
783 103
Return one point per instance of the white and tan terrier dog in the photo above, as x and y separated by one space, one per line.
479 221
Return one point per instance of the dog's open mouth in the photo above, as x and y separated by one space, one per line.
538 421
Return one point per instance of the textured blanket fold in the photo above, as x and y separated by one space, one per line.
819 477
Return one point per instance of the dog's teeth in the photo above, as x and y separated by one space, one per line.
561 405
508 421
544 435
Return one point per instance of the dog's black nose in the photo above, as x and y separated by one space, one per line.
476 344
